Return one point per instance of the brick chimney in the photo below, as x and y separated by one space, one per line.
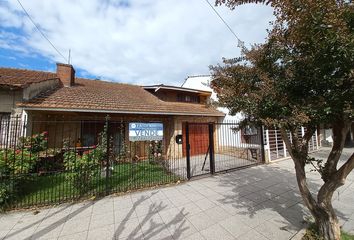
66 74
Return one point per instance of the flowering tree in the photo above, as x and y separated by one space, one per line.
303 75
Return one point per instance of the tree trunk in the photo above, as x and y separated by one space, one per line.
327 223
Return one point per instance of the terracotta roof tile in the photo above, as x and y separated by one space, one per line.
97 95
21 78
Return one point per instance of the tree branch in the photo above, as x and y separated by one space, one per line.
335 181
308 135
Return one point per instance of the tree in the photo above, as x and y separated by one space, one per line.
303 75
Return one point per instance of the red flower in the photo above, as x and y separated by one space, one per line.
45 133
18 151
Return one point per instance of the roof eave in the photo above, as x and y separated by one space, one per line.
122 112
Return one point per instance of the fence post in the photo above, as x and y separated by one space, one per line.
211 148
262 144
188 154
107 153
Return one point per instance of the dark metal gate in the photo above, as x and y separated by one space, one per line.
217 147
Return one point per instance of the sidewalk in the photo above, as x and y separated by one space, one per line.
255 203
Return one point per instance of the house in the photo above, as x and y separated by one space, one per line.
76 109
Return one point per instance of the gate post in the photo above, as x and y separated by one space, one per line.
211 148
108 152
188 154
262 145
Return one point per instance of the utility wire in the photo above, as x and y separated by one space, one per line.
39 30
240 43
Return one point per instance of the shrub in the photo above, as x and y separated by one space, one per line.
15 163
35 143
82 169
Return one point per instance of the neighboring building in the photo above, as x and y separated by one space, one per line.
41 97
17 85
202 82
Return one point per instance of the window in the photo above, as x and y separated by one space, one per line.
188 98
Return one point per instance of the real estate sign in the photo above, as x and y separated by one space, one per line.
145 131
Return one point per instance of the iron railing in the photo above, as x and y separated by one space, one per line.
50 162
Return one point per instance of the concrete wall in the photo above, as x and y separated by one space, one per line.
36 88
8 100
174 149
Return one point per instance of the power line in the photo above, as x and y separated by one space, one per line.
240 43
39 30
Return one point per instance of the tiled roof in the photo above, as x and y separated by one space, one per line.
96 95
21 78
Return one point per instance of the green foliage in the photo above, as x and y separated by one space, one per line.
82 169
302 75
35 143
17 163
155 151
20 161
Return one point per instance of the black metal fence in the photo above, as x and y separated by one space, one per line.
49 162
218 147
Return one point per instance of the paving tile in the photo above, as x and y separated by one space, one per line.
216 232
3 233
274 231
47 232
16 234
76 236
252 234
195 236
124 214
195 196
8 224
129 229
252 219
150 222
205 204
101 220
257 197
201 221
147 209
172 215
255 203
235 226
103 207
157 234
72 227
189 209
217 213
181 228
102 233
179 201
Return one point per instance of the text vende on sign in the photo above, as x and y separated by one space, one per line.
145 131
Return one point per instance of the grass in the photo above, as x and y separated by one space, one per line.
311 234
52 188
347 236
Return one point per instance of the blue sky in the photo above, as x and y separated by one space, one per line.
136 41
